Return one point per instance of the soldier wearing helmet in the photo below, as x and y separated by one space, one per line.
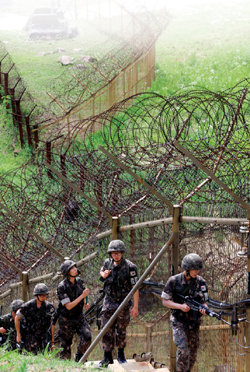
119 276
38 314
185 322
72 296
7 325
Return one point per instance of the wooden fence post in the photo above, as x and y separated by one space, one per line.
132 238
6 83
114 228
148 338
27 121
48 157
19 121
25 286
36 139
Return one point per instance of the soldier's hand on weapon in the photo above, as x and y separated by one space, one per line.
184 307
105 273
86 306
203 311
85 292
2 330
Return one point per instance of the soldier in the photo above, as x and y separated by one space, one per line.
119 276
7 325
38 314
72 296
185 322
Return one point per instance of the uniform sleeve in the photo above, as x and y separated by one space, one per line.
51 311
62 295
167 293
22 312
133 274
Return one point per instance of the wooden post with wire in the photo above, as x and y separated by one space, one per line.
25 286
114 228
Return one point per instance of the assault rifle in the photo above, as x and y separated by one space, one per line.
20 346
197 306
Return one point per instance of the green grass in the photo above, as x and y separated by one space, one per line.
9 142
207 47
12 361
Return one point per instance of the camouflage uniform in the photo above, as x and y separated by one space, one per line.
7 322
38 321
116 287
72 321
185 325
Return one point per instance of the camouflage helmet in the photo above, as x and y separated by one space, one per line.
66 266
192 261
16 304
116 246
40 289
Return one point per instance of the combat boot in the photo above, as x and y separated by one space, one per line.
78 357
121 357
108 359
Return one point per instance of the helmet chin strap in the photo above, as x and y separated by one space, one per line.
39 298
74 276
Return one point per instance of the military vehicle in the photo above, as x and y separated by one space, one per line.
49 23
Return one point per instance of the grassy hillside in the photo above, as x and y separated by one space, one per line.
205 45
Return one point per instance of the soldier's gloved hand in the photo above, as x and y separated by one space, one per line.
85 292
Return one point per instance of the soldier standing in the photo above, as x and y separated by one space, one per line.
185 322
38 314
72 296
119 276
7 325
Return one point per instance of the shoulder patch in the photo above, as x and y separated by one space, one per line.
133 273
203 288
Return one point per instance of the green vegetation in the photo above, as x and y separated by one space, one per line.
10 152
15 362
204 46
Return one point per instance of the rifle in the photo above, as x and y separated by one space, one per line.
196 306
94 309
20 346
